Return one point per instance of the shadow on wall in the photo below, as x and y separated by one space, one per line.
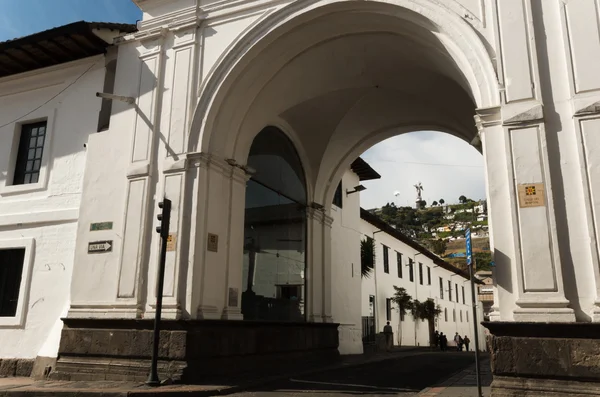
503 273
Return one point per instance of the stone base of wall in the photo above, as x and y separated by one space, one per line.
15 367
189 351
544 359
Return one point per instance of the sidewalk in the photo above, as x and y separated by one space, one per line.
463 383
13 387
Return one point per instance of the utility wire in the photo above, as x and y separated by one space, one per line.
437 164
45 103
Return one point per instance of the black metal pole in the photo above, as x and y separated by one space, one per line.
164 233
475 328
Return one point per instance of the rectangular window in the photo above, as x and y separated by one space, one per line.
386 259
441 288
420 273
29 155
411 275
11 268
460 313
456 289
446 315
450 290
388 309
337 198
453 315
399 263
467 313
428 275
463 294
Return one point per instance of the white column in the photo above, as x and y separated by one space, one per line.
528 267
314 268
327 270
209 236
235 246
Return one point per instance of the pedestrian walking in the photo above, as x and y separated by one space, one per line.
457 342
467 341
389 335
443 342
436 338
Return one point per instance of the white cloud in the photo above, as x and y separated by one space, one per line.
446 166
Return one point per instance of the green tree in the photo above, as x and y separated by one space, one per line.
429 311
442 201
405 303
422 204
367 256
462 199
439 247
434 204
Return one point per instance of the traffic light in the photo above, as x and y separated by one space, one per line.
164 217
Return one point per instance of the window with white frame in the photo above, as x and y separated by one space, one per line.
11 271
29 155
15 268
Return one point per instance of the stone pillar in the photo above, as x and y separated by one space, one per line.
235 245
315 265
327 270
210 254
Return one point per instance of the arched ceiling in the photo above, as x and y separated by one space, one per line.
341 79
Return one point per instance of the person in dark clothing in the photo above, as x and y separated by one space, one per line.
443 342
389 336
466 340
436 339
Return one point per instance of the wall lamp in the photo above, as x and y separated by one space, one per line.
358 188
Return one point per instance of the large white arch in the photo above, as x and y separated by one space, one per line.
457 38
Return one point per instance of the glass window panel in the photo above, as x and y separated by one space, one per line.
37 164
274 233
29 166
42 130
31 154
40 141
27 178
32 141
38 153
35 177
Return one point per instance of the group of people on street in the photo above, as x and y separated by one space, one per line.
440 340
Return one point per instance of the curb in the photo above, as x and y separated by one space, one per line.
18 391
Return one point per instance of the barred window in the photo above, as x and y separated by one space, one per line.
29 156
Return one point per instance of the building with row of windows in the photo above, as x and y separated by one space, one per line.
401 262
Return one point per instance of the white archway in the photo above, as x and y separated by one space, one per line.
283 36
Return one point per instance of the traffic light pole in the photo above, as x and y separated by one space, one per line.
163 230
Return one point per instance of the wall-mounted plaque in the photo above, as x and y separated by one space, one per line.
531 195
213 242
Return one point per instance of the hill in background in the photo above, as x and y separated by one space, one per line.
441 228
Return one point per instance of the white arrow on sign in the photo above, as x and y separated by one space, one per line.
100 246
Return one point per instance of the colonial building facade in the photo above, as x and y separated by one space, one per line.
233 106
401 262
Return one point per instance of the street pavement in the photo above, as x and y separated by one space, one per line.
423 374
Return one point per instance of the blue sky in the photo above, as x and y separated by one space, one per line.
24 17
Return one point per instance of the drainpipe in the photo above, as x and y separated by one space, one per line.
376 290
416 288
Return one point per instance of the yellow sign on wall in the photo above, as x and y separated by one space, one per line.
531 195
172 242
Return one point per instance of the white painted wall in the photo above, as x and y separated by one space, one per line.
44 215
381 285
345 262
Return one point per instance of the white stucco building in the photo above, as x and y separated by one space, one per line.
397 257
47 114
223 94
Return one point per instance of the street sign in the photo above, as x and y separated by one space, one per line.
101 226
99 247
469 248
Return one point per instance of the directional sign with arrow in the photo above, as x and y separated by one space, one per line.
98 247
